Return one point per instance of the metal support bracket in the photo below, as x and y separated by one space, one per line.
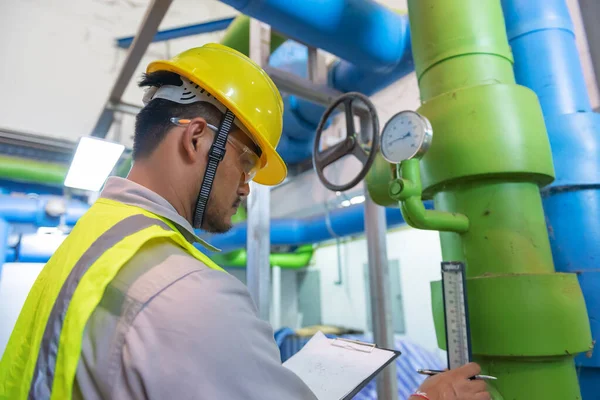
144 36
379 283
258 271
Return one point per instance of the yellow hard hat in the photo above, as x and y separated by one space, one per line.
245 89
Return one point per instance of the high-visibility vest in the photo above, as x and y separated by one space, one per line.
40 360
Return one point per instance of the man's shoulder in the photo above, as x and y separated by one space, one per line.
161 264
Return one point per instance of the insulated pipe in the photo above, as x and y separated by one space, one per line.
292 232
35 248
489 156
301 117
15 209
297 259
542 38
295 232
24 170
362 32
21 170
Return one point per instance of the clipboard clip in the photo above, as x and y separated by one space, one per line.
353 345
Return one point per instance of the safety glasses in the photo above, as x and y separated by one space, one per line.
249 161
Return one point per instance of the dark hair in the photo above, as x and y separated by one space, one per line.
153 121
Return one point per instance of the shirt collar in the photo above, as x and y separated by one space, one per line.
131 193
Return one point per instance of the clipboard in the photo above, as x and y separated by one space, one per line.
333 374
372 346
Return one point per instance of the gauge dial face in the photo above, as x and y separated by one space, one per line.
406 135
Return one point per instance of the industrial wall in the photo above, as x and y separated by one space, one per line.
418 257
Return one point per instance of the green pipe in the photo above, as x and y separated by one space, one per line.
408 190
237 36
29 171
378 181
44 173
298 259
489 156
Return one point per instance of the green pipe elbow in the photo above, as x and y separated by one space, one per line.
409 191
434 220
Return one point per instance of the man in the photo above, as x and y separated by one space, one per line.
127 307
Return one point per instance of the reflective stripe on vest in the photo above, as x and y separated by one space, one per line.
41 357
43 376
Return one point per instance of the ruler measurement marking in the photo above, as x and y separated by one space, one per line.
457 335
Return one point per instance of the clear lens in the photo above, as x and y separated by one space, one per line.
249 161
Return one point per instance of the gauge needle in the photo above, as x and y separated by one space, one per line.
400 138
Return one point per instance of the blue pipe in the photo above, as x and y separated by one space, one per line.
372 41
388 30
542 30
290 232
362 32
30 210
302 117
295 232
183 31
546 60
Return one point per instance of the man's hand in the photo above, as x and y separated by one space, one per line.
455 385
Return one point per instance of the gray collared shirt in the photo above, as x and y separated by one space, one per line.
169 327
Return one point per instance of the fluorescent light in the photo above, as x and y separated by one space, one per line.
357 199
94 160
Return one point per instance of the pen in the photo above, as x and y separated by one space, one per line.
432 372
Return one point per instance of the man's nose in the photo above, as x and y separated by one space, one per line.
244 188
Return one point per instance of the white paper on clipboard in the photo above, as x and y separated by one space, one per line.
334 368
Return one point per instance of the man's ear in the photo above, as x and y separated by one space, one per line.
191 138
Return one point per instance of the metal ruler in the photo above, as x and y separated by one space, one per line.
458 337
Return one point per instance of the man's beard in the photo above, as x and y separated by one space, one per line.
214 219
214 222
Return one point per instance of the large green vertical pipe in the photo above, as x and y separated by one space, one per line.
489 155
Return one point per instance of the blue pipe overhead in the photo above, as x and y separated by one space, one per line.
547 61
362 32
183 31
295 232
375 39
301 116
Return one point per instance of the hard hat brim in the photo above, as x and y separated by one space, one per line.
274 169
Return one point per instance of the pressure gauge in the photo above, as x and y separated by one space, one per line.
406 135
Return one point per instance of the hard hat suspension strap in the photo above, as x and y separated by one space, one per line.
215 156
